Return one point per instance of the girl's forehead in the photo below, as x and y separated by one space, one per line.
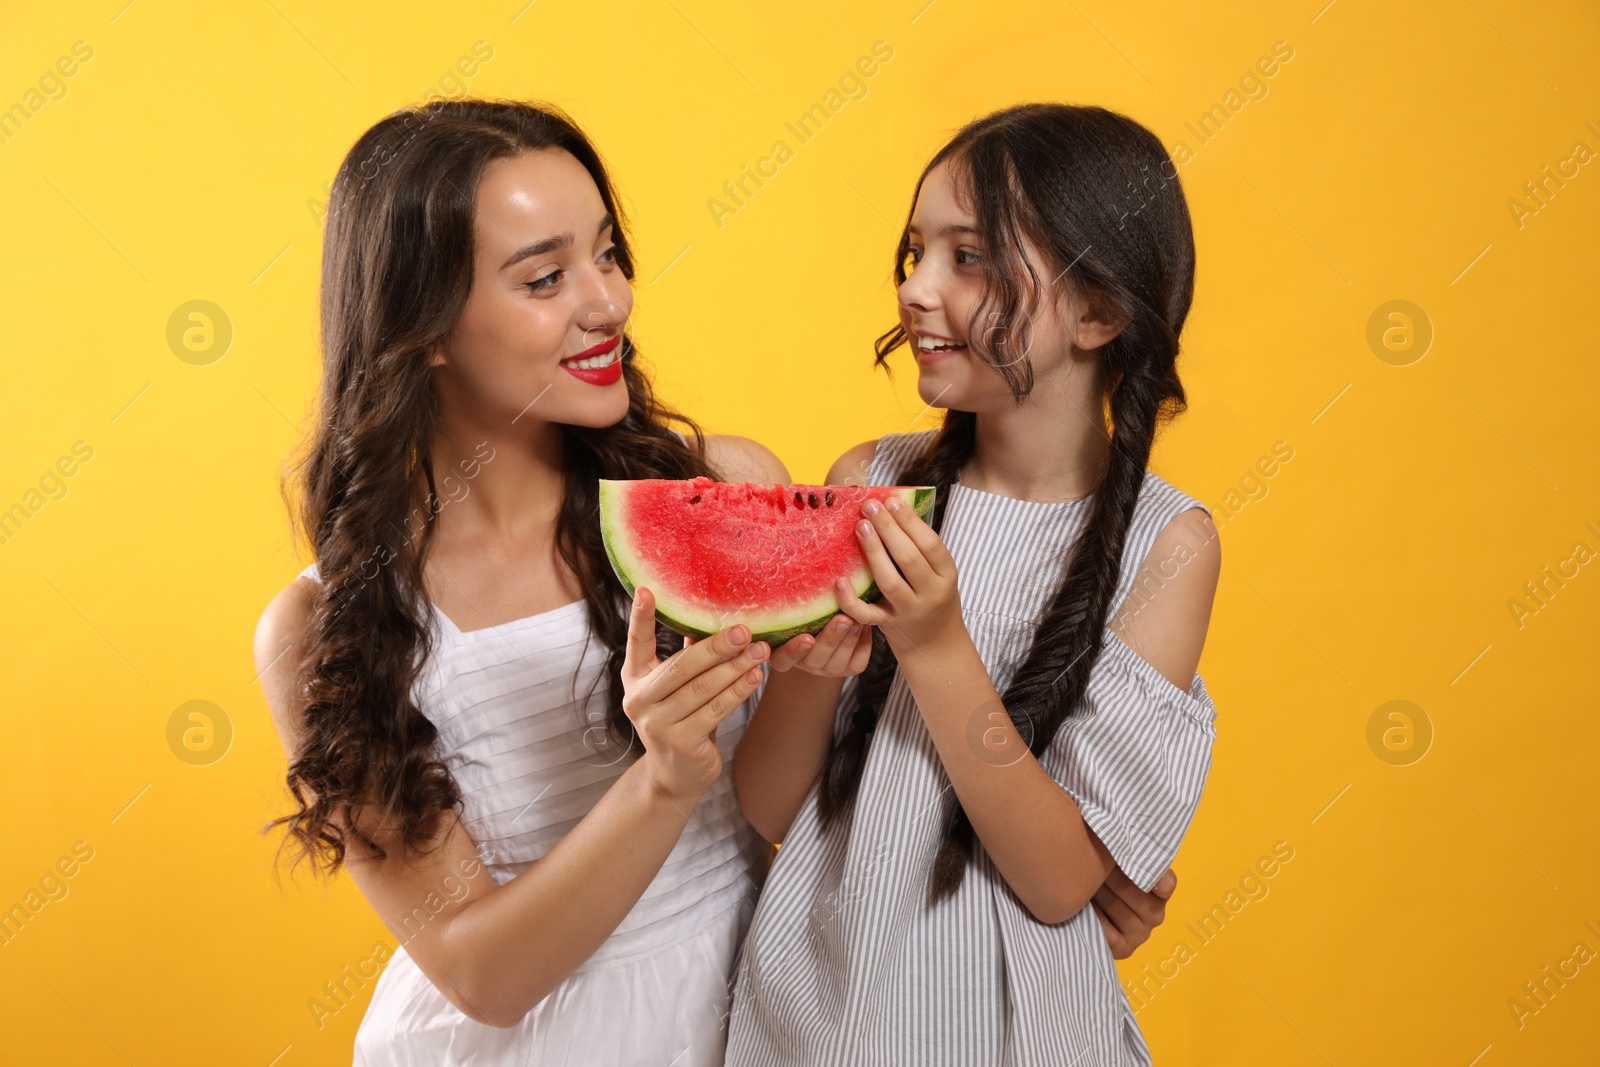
941 202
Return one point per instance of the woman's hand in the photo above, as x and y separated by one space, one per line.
920 606
676 704
841 649
1127 914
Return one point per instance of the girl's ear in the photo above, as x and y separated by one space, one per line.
436 355
1094 320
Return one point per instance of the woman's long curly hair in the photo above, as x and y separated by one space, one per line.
1098 194
397 269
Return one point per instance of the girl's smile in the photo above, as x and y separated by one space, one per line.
932 348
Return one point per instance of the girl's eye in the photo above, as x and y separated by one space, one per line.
967 257
913 257
545 281
610 254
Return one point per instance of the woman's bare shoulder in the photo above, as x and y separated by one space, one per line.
743 459
281 637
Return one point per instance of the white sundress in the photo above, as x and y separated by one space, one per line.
511 706
846 965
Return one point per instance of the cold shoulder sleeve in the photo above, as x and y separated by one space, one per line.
1134 755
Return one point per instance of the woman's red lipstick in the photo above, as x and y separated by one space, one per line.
607 372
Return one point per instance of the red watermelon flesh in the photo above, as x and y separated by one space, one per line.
719 553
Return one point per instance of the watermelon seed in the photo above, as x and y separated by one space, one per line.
828 498
695 499
813 499
798 502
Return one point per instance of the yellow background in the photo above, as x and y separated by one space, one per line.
1377 564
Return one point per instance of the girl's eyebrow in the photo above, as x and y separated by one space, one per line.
550 244
945 230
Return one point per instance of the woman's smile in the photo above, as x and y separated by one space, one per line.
600 365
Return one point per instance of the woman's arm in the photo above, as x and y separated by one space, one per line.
787 739
1051 858
496 951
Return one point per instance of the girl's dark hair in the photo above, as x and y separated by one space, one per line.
1097 193
397 268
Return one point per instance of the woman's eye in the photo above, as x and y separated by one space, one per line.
610 254
913 257
544 282
966 256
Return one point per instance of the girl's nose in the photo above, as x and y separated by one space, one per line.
918 293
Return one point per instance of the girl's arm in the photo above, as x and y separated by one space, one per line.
787 739
496 951
1028 823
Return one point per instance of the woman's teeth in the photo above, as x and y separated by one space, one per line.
593 361
928 344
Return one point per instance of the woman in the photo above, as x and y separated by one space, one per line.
479 727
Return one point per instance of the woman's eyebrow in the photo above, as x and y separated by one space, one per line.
550 244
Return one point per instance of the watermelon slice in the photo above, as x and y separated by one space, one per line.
719 553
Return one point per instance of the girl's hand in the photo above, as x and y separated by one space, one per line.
920 606
675 704
840 650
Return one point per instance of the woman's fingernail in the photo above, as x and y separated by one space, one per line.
893 503
738 635
870 507
864 528
758 651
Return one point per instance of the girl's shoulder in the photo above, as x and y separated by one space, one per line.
1161 496
880 462
1169 525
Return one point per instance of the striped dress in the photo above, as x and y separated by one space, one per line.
520 708
846 964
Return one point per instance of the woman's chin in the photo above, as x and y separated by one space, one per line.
602 407
606 411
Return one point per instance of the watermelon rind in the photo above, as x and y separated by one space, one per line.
687 619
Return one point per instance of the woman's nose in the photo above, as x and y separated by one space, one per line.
599 316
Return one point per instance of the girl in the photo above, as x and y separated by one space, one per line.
481 733
947 814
